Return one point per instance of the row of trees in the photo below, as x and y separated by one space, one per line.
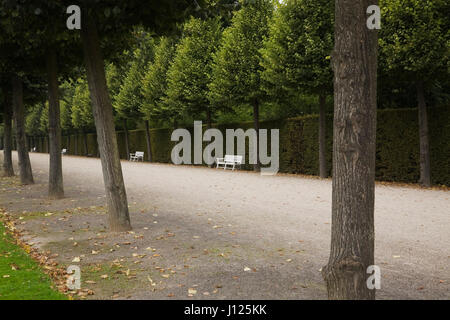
267 55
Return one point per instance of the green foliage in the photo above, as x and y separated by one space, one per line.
415 39
128 98
81 109
237 68
154 83
33 119
296 55
190 73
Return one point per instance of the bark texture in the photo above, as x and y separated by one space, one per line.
257 166
55 181
322 138
355 83
425 166
26 175
8 170
149 141
119 219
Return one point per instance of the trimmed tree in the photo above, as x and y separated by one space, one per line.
296 58
415 47
191 71
237 67
154 83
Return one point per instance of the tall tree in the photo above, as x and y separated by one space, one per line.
190 74
415 45
296 58
355 87
237 64
55 185
154 83
81 112
25 173
129 98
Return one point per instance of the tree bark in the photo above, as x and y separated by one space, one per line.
26 175
8 170
55 181
127 143
425 166
322 137
68 144
149 141
256 167
85 143
119 219
355 84
76 143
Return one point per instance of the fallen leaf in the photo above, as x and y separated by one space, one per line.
192 291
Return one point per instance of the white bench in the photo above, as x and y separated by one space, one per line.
229 160
139 155
64 151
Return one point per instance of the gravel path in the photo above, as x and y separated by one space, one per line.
261 237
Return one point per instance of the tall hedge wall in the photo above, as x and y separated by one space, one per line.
397 157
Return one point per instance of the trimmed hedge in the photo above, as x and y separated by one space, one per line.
397 155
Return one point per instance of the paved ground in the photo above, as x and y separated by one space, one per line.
226 235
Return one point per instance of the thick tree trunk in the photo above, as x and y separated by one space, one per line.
55 181
8 170
127 142
425 166
116 196
322 137
149 141
256 167
85 143
26 175
355 83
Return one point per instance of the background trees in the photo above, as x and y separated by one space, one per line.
154 83
236 69
415 49
190 73
296 58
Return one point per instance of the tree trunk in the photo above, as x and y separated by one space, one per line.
116 196
322 137
55 181
425 167
85 142
75 138
127 144
26 175
8 170
257 166
68 144
208 119
149 141
355 84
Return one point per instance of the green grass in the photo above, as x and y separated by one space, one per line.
28 281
